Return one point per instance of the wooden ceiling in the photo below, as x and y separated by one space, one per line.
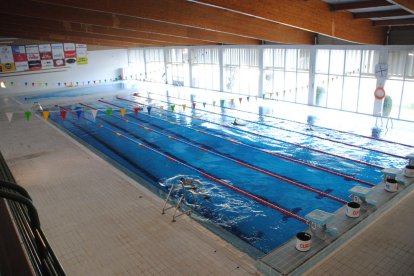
149 23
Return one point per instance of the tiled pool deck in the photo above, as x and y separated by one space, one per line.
100 223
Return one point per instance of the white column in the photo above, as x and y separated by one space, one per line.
260 84
312 66
383 59
221 67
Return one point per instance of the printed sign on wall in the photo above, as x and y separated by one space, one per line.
70 53
81 54
58 55
33 56
20 58
46 56
6 58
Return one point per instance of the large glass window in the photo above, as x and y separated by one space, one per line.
241 70
345 79
400 84
155 65
205 68
286 74
177 63
136 63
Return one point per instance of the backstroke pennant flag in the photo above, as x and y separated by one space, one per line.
63 114
94 112
204 104
221 102
240 100
123 111
109 112
214 104
136 110
28 114
46 115
78 113
194 105
9 116
232 101
172 108
149 109
184 106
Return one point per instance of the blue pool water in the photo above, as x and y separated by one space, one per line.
202 143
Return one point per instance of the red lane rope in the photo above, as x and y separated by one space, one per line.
263 171
301 133
289 120
262 201
268 137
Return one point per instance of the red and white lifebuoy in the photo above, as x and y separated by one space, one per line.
379 93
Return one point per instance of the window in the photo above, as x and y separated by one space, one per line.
136 62
345 79
241 70
178 67
286 74
155 65
205 68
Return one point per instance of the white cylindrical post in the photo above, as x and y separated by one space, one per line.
353 209
303 241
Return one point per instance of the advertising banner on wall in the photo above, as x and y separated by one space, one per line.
6 58
46 56
70 53
33 56
81 54
20 58
58 55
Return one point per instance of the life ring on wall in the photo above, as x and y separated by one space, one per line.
379 93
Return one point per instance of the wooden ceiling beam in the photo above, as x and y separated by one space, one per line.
393 22
33 23
104 19
54 31
379 14
359 5
192 14
407 5
61 38
312 15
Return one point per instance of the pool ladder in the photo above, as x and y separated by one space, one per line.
185 188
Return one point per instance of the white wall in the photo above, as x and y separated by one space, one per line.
103 64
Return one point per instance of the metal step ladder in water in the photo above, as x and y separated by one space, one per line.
185 186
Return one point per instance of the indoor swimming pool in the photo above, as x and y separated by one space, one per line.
259 178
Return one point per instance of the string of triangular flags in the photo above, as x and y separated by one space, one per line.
9 84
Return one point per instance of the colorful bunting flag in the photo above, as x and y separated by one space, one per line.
123 111
63 114
194 105
28 114
136 110
172 108
214 104
78 113
184 106
149 109
248 98
204 104
94 113
9 116
109 112
221 102
46 115
232 101
240 100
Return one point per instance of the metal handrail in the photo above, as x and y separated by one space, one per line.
25 216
